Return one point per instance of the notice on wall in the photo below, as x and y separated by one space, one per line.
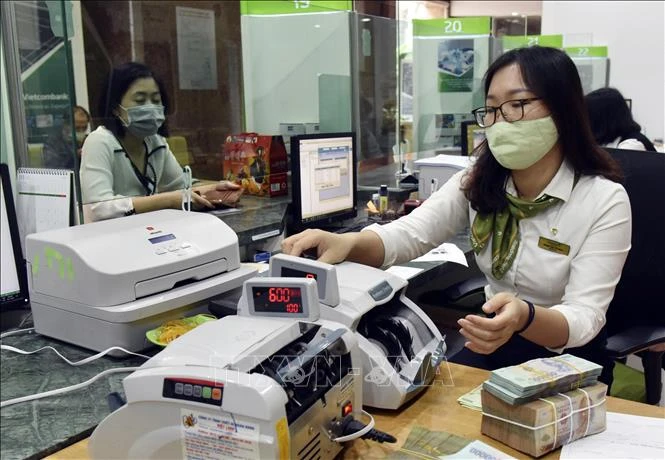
197 52
455 65
212 436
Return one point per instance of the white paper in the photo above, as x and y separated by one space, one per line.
404 272
626 436
478 449
446 252
197 58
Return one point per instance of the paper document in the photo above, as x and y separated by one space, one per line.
446 252
478 449
404 272
626 436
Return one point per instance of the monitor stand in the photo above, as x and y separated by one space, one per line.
10 319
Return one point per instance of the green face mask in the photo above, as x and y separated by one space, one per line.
521 144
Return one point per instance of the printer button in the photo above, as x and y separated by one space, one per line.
185 245
173 248
160 251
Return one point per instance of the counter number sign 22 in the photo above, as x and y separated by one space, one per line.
301 3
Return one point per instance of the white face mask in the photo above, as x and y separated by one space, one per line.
523 143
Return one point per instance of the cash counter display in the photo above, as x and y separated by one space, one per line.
299 267
291 298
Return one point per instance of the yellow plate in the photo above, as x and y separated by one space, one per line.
153 334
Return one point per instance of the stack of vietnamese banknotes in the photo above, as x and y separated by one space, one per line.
542 404
541 377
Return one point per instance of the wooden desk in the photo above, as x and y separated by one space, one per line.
437 409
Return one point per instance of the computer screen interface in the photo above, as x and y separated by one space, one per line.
324 179
13 282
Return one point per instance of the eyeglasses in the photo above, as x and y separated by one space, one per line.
511 111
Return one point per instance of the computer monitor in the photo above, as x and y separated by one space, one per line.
13 280
472 136
323 179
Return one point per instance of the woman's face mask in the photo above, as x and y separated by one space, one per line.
143 120
523 143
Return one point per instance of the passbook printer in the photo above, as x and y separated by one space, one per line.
273 382
401 347
106 283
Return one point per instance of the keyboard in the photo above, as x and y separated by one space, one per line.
352 228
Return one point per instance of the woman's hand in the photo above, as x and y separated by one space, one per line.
485 335
330 248
220 186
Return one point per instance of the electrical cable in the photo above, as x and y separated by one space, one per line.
71 363
16 332
360 433
68 389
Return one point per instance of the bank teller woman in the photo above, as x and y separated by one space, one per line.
126 164
550 224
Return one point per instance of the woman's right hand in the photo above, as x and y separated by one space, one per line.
330 248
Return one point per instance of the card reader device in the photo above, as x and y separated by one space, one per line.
274 381
401 347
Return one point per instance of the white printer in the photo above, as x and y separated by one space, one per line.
401 347
273 382
106 283
435 171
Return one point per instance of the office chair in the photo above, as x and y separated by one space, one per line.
636 315
178 145
35 155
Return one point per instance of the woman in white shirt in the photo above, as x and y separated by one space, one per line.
612 123
550 224
127 166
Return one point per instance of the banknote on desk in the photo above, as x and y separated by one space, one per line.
541 377
541 426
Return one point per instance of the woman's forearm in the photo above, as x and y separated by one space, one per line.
165 200
367 249
549 328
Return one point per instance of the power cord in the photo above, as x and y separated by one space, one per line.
351 429
68 389
71 363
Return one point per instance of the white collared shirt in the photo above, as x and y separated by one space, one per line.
593 219
108 180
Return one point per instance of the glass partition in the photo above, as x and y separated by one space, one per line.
43 43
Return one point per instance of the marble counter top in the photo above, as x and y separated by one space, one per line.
40 427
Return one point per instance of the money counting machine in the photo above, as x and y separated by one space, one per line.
106 283
401 347
273 382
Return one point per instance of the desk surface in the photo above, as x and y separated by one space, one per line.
436 409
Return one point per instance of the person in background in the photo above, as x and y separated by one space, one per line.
127 166
550 222
612 123
59 147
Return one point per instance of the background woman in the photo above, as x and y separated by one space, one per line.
127 166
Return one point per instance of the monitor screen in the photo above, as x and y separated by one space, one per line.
13 282
324 179
472 136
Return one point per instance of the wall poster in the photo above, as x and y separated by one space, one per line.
455 65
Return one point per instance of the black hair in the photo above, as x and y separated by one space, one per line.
118 82
552 76
78 108
610 117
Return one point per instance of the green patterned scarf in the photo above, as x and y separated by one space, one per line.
504 225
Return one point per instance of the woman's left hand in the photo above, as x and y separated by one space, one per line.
220 186
485 335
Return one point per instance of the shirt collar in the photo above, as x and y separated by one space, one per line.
561 185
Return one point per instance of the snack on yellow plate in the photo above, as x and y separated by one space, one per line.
171 330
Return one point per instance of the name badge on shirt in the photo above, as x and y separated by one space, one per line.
553 246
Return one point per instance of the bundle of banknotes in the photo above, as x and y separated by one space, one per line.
543 425
542 377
